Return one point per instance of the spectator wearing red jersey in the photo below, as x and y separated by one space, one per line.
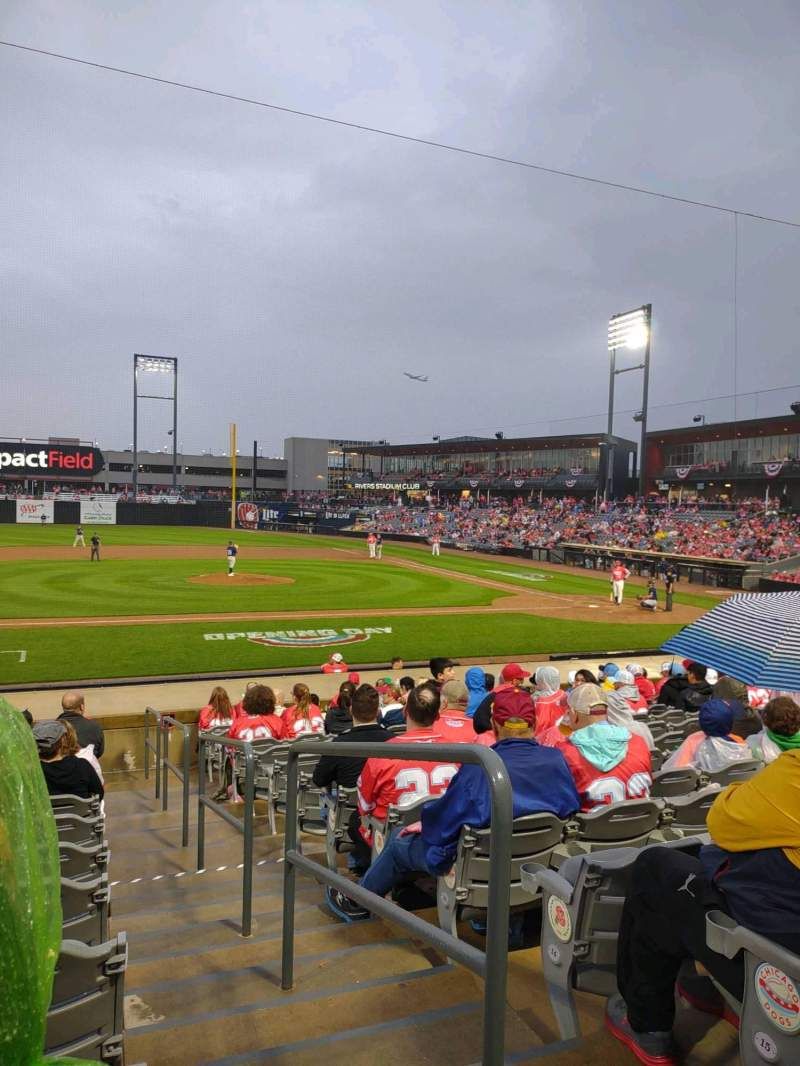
608 762
453 723
540 781
218 712
549 699
401 782
258 720
303 716
335 665
647 689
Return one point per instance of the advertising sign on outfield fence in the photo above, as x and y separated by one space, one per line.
31 511
98 512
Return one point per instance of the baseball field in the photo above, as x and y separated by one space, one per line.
159 602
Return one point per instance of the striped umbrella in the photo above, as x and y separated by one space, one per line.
754 637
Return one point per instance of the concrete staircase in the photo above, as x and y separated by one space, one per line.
198 993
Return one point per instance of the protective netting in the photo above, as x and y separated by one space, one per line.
30 896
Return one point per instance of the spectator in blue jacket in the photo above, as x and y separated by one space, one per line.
540 781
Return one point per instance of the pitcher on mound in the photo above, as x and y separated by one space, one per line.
231 551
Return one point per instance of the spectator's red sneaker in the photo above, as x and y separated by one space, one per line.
700 993
653 1049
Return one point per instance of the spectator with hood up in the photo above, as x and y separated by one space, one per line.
781 732
608 763
548 698
713 746
746 719
475 680
625 687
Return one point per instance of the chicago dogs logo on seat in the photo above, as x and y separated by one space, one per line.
247 515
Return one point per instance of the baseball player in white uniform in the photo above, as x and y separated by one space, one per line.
79 542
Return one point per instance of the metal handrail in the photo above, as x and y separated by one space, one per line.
492 964
155 748
245 826
164 766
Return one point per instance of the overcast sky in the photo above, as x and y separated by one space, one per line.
296 268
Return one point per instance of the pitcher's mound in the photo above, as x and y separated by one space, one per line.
240 579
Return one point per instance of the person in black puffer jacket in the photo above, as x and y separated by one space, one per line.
697 691
672 689
339 718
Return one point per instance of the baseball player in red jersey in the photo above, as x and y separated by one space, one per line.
619 575
401 782
259 721
607 762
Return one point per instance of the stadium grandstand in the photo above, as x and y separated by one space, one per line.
264 908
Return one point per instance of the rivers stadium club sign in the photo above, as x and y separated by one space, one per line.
50 460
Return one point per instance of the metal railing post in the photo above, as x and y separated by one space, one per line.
146 744
187 762
495 980
201 807
289 873
247 858
490 965
158 753
164 730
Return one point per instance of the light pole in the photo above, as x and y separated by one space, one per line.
631 329
156 364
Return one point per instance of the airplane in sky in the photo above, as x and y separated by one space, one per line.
416 377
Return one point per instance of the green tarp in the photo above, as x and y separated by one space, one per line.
30 895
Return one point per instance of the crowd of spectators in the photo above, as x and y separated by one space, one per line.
746 534
577 748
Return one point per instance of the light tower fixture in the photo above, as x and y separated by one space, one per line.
155 364
629 330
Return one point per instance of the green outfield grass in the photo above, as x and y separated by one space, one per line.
66 653
162 586
153 586
529 576
62 535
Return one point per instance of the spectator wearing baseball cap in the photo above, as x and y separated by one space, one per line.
511 678
540 781
608 762
335 665
625 687
64 773
607 673
674 684
645 686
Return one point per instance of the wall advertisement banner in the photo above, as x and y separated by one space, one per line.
35 512
98 512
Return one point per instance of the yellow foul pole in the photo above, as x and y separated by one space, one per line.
233 474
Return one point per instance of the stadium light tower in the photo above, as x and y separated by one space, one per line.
632 330
155 364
